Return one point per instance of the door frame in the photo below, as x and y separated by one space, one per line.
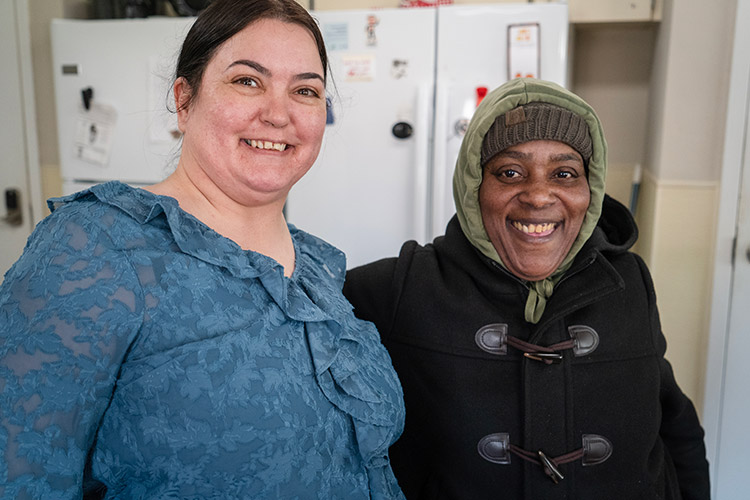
26 73
20 168
736 132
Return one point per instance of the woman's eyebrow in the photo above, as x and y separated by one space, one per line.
309 75
518 155
252 64
566 157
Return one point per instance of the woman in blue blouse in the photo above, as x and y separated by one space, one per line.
183 341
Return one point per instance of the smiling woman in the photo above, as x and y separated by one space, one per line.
527 339
183 341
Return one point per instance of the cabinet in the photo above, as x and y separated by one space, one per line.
608 11
580 11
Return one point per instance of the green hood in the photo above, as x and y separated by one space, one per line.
468 174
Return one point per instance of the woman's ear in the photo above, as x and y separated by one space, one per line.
181 91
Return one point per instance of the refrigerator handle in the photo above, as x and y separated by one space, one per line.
440 173
422 180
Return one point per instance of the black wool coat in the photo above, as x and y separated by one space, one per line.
582 405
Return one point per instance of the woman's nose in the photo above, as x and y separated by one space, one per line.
537 193
275 110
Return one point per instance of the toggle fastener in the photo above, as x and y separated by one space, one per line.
552 471
546 357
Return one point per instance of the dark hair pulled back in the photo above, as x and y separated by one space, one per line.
223 19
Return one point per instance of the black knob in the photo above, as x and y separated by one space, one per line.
402 130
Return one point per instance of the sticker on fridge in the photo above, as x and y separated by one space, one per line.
523 51
359 68
94 131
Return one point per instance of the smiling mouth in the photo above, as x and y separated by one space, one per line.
278 146
535 229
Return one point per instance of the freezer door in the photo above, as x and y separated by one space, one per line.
485 46
367 192
113 91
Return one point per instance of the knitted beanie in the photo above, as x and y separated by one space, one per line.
537 121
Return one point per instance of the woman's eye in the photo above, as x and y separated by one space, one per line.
566 174
308 92
508 173
246 81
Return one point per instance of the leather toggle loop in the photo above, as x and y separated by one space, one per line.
586 339
495 448
596 449
492 338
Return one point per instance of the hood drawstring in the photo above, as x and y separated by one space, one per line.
539 292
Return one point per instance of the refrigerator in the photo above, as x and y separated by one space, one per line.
404 83
112 81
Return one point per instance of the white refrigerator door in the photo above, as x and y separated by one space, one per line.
127 133
473 51
367 192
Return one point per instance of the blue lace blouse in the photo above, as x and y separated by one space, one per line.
143 352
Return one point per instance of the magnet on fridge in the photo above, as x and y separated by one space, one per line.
329 112
399 68
481 94
372 23
86 95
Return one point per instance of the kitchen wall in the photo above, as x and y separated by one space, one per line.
659 85
685 127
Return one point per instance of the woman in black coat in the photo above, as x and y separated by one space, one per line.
527 339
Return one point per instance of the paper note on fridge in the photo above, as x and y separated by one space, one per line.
94 131
523 51
336 36
359 68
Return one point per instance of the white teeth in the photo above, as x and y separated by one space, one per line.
278 146
534 228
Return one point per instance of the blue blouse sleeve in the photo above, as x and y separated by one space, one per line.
69 309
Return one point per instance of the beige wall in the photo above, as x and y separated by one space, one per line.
678 209
678 242
690 90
